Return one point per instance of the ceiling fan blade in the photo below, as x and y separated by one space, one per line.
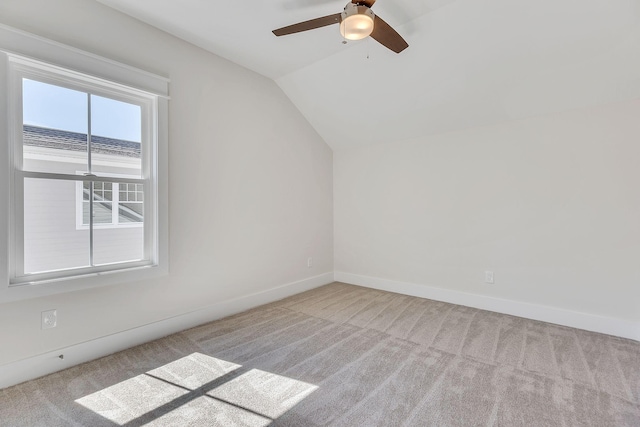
311 24
387 36
367 3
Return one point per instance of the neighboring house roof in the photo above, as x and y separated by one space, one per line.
36 136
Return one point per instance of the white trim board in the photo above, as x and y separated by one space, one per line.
47 363
28 46
559 316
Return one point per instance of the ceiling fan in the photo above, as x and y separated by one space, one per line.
357 21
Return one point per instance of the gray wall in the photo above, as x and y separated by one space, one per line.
551 205
250 184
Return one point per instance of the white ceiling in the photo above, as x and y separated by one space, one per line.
469 62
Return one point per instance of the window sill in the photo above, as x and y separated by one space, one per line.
27 290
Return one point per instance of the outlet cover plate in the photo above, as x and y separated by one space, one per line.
488 277
49 319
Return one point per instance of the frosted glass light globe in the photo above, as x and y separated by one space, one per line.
357 22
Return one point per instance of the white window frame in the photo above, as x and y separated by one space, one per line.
69 67
22 68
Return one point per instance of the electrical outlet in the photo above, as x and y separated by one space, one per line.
49 319
309 262
488 277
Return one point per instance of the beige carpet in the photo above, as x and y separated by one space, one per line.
343 355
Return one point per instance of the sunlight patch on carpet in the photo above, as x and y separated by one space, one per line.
194 371
198 388
131 399
264 393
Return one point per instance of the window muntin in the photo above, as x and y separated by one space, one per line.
56 166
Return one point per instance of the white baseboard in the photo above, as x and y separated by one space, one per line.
559 316
47 363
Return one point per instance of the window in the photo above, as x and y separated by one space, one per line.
116 204
84 174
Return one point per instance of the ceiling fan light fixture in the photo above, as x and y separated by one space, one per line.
356 22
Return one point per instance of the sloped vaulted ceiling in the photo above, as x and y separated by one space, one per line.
469 62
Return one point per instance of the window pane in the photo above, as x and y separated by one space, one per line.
102 212
116 129
117 244
85 213
123 241
54 128
86 186
130 212
102 204
51 238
